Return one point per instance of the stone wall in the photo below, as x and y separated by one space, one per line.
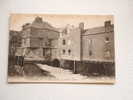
89 68
98 46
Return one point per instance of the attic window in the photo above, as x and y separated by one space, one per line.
40 38
107 38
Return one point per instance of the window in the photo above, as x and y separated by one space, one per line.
44 52
107 39
69 51
90 53
90 47
63 51
64 42
24 42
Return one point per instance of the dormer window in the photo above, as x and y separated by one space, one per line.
107 39
90 47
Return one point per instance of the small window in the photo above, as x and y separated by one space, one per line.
90 53
107 39
63 51
69 51
64 42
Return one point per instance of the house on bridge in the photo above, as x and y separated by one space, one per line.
39 40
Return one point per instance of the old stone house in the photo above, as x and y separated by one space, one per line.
98 43
88 49
40 39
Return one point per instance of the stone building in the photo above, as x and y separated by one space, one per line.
88 50
70 43
98 43
40 39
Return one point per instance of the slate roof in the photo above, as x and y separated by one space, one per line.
97 30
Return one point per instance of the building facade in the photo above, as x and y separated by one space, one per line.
88 50
98 43
40 40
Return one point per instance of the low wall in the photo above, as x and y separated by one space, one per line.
90 68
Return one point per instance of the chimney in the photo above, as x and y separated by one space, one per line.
38 19
81 27
107 23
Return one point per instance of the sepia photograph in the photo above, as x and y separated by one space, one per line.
61 48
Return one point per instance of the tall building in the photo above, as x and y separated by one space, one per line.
40 39
98 43
88 49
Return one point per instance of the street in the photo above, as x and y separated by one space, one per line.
61 74
56 74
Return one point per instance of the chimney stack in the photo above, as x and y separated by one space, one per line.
81 27
38 19
107 23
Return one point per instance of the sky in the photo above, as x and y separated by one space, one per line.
58 20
